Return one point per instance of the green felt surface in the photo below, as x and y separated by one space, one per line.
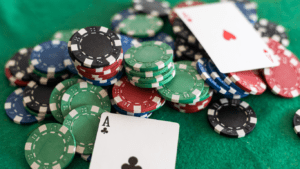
272 144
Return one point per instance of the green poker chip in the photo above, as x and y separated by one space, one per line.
155 79
83 123
185 87
204 95
56 96
83 93
149 56
51 145
155 85
140 25
64 35
147 73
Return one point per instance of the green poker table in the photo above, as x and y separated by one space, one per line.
272 144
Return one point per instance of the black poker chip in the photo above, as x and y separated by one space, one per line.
152 7
95 47
232 118
36 98
296 123
272 30
187 52
19 63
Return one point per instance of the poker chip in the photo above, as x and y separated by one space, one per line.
269 29
163 37
134 99
156 84
56 96
15 110
95 47
249 81
148 74
249 10
232 118
101 76
188 3
13 80
84 93
106 82
18 63
296 123
119 17
128 42
87 158
154 79
51 145
186 85
64 35
48 57
140 25
284 80
89 117
183 50
36 101
121 111
153 7
149 56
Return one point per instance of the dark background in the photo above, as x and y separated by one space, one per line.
272 144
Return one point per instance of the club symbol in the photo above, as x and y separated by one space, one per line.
132 164
104 131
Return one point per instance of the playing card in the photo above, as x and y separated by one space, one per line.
126 142
228 37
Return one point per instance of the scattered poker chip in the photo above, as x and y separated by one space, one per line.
134 99
48 57
140 25
156 84
296 123
153 7
87 158
51 145
89 117
249 11
154 79
119 17
186 85
18 63
121 111
249 81
56 96
149 56
269 29
201 68
106 82
183 50
36 101
127 42
188 3
284 80
163 37
64 35
15 110
232 118
147 74
13 80
84 93
95 47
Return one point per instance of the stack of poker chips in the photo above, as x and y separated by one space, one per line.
128 99
97 55
149 64
187 92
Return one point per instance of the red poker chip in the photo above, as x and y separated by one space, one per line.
102 70
284 80
173 14
275 46
100 77
13 80
250 81
134 99
198 106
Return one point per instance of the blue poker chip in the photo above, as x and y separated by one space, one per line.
15 109
48 57
121 111
249 10
127 42
119 17
70 65
87 158
107 82
201 68
163 37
